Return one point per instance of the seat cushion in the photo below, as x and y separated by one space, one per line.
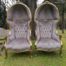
48 44
18 44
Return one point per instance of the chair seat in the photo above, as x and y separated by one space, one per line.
48 44
18 44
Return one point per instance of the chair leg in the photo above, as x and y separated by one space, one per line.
35 47
61 50
6 54
30 52
4 49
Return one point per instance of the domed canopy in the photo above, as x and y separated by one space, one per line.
47 11
19 11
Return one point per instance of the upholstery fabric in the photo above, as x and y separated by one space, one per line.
45 30
21 30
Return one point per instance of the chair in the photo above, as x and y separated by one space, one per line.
19 18
46 18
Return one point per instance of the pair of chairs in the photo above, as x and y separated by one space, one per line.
46 18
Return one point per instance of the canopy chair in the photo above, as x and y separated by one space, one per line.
46 18
19 18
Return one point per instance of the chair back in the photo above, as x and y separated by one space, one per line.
19 18
46 18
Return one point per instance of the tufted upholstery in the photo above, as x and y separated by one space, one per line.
44 31
21 30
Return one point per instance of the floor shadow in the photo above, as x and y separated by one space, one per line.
35 54
48 54
23 54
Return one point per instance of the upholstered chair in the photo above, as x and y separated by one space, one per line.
19 18
46 18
